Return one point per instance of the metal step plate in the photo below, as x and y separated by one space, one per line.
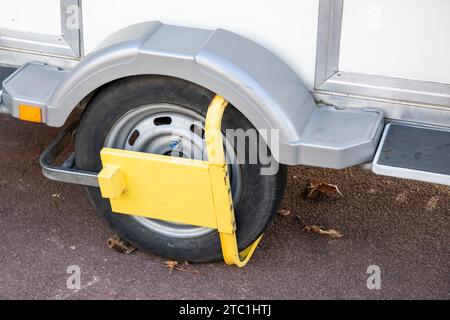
33 84
414 152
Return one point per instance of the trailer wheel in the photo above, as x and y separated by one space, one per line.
150 114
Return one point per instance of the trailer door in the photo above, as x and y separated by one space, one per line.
394 52
50 27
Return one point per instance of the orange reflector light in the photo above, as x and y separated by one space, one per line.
30 113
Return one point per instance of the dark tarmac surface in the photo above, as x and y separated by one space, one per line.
399 225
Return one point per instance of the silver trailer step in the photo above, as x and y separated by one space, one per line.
414 152
32 84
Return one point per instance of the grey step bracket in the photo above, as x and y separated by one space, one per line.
340 138
32 84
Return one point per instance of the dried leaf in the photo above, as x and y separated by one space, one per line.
328 232
284 213
171 265
174 265
192 267
315 190
119 245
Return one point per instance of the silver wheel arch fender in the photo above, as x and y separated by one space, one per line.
258 83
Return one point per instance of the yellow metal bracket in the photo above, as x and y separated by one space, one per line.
178 190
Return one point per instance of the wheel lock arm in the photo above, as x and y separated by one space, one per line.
166 188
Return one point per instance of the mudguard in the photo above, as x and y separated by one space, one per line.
259 84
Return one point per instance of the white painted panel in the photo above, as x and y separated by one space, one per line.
407 39
42 16
287 27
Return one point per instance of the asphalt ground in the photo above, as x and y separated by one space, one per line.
398 225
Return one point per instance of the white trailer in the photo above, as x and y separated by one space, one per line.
328 83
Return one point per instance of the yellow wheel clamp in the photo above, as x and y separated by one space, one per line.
178 190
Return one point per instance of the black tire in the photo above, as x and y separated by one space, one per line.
260 197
